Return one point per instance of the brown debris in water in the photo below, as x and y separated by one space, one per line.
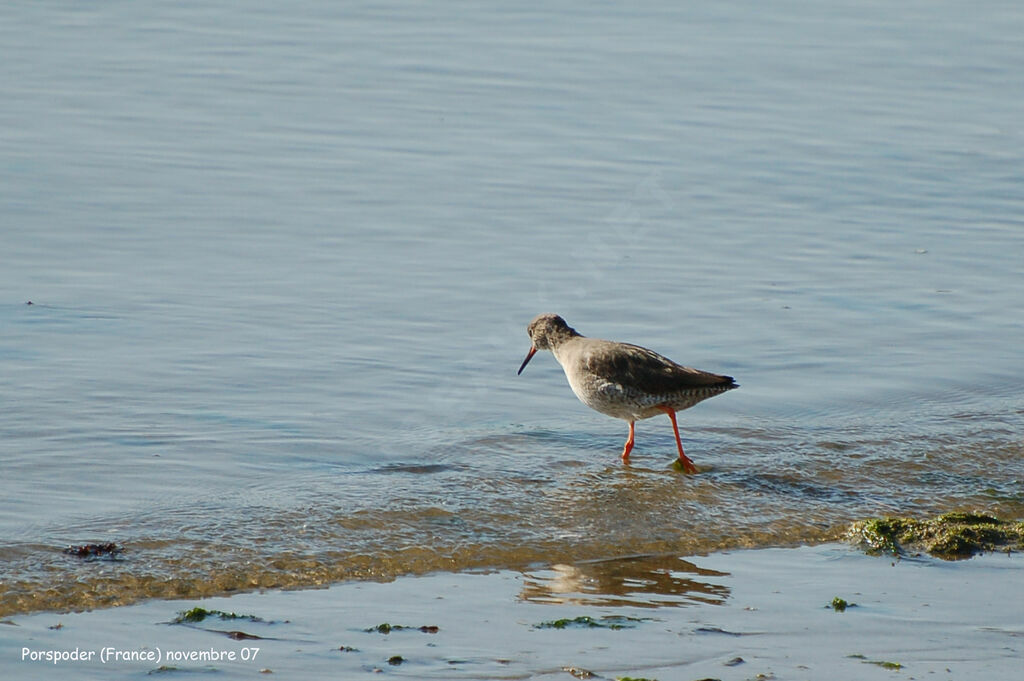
94 550
387 628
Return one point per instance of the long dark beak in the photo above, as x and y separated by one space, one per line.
529 356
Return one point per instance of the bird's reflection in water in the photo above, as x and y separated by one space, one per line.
639 581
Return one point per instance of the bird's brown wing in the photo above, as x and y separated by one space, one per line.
637 366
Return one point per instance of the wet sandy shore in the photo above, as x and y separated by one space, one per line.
758 614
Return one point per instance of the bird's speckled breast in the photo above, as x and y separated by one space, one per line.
628 404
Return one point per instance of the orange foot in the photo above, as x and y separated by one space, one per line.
629 443
684 461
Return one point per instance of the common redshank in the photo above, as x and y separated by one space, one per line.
622 380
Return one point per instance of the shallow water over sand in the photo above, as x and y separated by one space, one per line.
732 616
281 268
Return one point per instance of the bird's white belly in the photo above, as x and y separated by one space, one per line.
610 398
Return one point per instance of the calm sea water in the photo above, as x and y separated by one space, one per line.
281 259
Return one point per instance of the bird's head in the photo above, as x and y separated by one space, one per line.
547 332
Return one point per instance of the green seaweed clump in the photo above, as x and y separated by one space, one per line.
587 622
951 536
564 623
880 663
840 604
199 614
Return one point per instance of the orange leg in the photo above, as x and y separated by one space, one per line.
683 459
629 442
